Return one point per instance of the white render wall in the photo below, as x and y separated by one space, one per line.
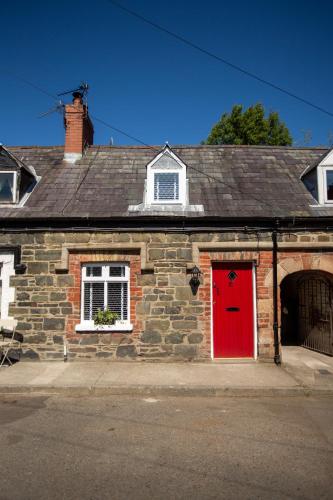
7 295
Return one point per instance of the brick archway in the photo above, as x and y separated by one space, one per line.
292 262
288 263
306 310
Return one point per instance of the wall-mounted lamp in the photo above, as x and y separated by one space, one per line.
195 279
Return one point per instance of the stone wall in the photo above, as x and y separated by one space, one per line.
169 322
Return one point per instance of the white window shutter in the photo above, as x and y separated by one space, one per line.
166 186
93 299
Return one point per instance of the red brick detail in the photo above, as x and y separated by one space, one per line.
74 293
288 263
79 131
206 260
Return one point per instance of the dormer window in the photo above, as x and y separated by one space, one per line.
166 180
328 185
7 187
318 179
166 187
17 180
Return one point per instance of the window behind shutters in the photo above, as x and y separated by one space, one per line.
166 186
93 299
117 299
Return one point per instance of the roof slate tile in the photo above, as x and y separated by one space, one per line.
229 181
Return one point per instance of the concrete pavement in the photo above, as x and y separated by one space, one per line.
309 368
303 372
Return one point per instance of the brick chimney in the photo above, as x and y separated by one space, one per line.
79 130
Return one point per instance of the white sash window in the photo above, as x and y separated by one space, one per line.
105 286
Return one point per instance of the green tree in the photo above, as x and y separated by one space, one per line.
250 127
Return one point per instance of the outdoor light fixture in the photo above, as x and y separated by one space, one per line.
195 279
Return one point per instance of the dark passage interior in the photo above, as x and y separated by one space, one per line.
306 311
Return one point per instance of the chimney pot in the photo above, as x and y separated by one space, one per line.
77 98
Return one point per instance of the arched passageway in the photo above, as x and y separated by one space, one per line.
306 310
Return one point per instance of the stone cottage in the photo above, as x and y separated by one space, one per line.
201 252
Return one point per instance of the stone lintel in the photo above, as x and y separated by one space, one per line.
112 247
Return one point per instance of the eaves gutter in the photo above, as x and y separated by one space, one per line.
156 223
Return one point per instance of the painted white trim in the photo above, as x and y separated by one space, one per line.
255 320
14 185
89 326
322 185
169 151
72 157
179 168
8 292
325 165
328 160
123 325
26 196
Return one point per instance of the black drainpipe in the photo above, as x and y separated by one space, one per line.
277 357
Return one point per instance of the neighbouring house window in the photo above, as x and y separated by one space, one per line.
329 185
105 286
7 187
166 186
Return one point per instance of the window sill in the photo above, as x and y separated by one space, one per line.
89 326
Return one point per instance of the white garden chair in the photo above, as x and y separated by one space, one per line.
8 341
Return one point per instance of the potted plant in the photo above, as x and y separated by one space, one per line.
105 318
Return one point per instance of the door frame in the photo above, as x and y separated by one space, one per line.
255 324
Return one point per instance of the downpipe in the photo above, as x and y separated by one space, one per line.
277 355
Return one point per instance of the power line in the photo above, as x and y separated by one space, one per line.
202 172
27 82
219 58
121 132
92 161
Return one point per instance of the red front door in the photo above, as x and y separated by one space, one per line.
233 310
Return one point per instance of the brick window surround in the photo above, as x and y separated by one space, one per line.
74 293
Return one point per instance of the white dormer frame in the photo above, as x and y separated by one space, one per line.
179 168
326 165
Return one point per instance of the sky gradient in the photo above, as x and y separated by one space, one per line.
152 86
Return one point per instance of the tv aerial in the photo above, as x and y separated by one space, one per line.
80 91
58 108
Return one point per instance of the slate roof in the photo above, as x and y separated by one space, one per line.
229 181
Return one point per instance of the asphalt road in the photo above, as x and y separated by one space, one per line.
167 448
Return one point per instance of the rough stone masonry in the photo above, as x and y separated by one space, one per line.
169 322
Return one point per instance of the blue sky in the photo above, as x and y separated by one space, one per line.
152 86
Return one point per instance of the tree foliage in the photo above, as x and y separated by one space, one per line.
250 127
